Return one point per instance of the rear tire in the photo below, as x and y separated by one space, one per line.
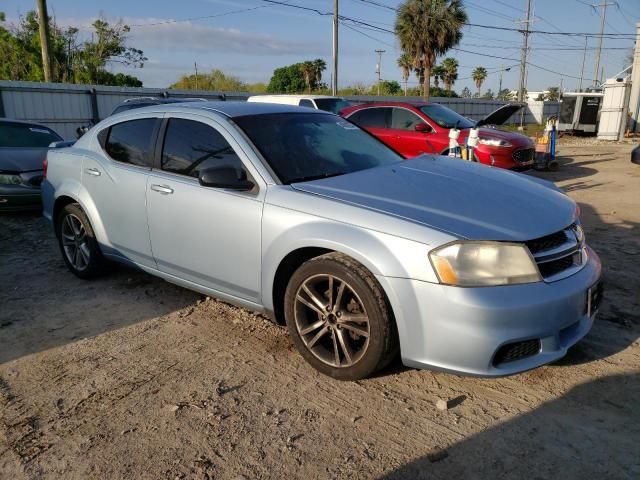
78 244
339 318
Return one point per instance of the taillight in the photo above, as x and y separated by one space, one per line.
45 165
578 211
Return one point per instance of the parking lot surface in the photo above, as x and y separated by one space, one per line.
128 376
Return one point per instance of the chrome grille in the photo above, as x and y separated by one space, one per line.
559 254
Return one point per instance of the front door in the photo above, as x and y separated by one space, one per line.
207 236
405 138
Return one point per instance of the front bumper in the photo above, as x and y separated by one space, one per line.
19 198
462 329
504 157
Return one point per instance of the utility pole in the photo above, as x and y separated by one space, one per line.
523 59
334 78
379 67
43 21
584 57
195 64
596 72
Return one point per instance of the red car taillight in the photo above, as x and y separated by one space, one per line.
45 164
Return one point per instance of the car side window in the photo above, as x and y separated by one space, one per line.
130 142
372 118
402 119
305 102
191 146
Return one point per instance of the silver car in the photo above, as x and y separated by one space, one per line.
304 217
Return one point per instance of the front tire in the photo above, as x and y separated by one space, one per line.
78 244
339 318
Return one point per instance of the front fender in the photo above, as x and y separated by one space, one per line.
285 231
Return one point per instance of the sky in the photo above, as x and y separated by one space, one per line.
250 44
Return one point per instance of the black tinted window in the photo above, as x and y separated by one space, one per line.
191 146
306 103
307 146
130 142
17 135
372 118
402 119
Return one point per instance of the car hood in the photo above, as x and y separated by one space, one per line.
21 159
501 115
466 199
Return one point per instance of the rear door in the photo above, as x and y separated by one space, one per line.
207 236
405 139
375 120
116 181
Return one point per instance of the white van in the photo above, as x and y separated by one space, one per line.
319 102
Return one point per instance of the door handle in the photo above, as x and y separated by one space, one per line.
162 189
92 171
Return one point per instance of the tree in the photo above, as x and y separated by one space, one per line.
479 75
308 71
437 72
466 93
405 62
287 79
319 66
552 94
428 28
488 94
214 80
388 87
450 69
505 95
71 62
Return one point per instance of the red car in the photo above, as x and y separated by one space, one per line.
416 128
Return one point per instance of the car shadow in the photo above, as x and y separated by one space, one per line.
45 306
592 431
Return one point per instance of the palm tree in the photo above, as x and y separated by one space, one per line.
405 62
308 71
428 28
479 75
437 72
319 66
450 67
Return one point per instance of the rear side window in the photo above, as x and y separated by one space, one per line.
305 102
191 146
402 119
130 142
372 118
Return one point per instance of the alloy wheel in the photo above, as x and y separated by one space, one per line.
331 320
75 242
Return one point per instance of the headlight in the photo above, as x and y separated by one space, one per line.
493 142
10 179
480 264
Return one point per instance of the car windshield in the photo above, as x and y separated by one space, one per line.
445 117
308 146
333 105
17 135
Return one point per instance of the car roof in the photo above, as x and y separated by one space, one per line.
22 122
393 104
298 97
233 109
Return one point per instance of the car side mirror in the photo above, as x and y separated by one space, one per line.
423 127
225 177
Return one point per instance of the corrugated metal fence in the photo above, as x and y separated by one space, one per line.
66 107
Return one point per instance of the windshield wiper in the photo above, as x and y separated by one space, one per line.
309 178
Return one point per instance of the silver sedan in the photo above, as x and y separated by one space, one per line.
304 217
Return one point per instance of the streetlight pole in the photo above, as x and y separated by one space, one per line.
43 20
379 68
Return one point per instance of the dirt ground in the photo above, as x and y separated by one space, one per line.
130 377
